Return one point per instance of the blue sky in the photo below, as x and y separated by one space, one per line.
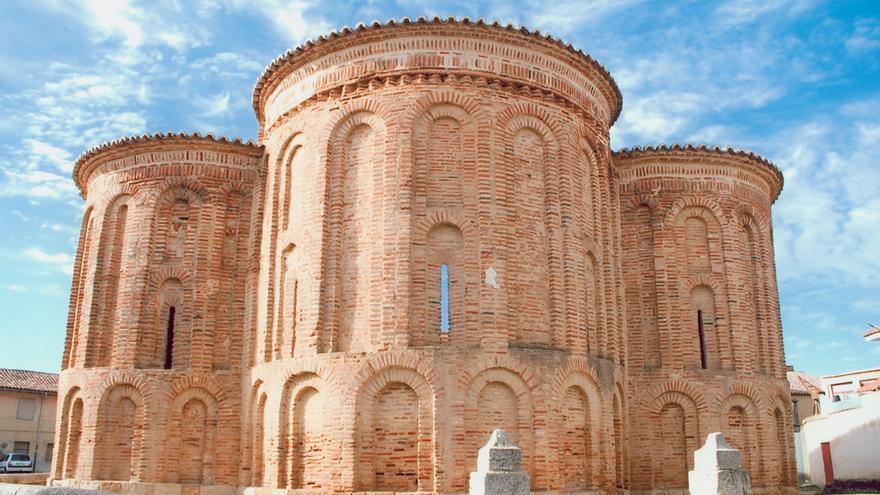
795 80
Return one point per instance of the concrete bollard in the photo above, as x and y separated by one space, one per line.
717 469
499 468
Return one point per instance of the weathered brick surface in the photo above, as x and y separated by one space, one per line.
304 277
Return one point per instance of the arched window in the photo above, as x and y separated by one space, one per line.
444 282
110 264
169 338
77 295
166 351
703 314
444 298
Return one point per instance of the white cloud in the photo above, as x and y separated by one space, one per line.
163 23
865 38
35 184
53 155
228 64
745 11
827 220
58 261
288 18
565 16
214 105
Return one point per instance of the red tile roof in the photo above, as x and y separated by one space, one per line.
28 381
802 383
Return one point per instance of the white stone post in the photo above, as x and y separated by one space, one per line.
499 468
717 469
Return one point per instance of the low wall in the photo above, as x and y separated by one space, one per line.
853 435
24 478
145 488
16 489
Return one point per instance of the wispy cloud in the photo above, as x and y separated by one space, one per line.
228 65
214 105
827 222
563 17
293 20
745 11
136 25
58 261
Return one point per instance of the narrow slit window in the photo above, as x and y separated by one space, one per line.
169 339
444 298
702 339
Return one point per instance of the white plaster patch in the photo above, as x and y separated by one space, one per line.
492 278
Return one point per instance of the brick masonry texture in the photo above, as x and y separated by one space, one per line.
267 317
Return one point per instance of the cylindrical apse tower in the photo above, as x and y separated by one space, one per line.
151 377
432 241
438 260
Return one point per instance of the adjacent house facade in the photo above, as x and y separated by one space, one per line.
27 414
806 393
840 443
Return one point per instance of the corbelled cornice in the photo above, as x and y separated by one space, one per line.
692 152
92 158
312 49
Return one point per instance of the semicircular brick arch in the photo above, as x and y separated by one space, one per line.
692 205
254 451
354 194
395 417
711 280
142 384
739 388
70 426
533 185
178 187
677 415
777 396
746 214
498 397
580 407
456 219
191 382
305 426
778 437
441 96
686 388
576 365
351 108
740 419
536 117
192 424
121 431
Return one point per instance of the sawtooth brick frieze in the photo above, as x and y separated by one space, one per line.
431 241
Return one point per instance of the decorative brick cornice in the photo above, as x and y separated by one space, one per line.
93 158
700 154
346 38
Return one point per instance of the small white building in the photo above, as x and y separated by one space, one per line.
842 442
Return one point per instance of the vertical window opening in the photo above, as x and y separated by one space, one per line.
295 304
702 339
169 339
444 298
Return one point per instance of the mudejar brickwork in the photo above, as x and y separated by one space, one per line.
432 239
